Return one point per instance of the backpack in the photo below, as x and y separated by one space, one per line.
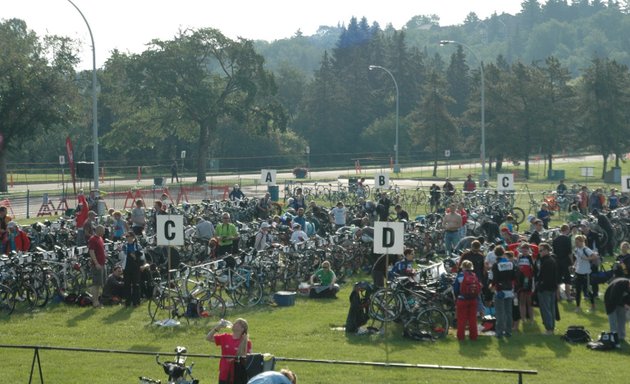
577 334
470 286
606 342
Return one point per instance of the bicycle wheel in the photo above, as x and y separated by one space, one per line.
7 301
247 293
211 307
385 305
431 320
25 298
518 214
161 307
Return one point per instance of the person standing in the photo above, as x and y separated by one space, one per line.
233 347
138 218
448 188
98 259
132 266
338 215
452 222
617 301
563 251
583 256
226 233
503 275
467 288
547 278
469 184
174 172
434 197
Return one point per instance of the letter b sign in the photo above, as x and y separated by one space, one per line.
381 181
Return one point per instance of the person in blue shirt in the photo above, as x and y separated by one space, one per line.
544 215
613 200
403 267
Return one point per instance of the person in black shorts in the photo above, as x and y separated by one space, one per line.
563 251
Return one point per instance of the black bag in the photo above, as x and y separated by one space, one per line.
606 342
577 334
247 367
602 276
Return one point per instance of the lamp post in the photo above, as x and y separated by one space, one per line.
483 107
94 100
372 67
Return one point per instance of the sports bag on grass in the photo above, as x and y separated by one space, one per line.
577 334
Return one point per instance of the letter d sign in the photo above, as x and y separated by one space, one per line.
389 237
625 184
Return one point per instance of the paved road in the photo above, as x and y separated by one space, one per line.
117 200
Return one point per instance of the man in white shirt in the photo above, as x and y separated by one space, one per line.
298 234
338 215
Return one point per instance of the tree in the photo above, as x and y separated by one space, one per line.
36 93
194 81
432 126
605 101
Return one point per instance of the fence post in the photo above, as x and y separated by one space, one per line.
28 203
39 366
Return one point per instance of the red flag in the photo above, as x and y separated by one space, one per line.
71 163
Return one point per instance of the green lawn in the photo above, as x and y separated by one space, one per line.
300 331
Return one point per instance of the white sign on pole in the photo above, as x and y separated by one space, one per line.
447 153
62 159
505 182
625 183
183 155
389 237
268 176
586 171
381 181
170 230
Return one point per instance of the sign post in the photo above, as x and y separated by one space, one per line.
586 172
169 232
389 237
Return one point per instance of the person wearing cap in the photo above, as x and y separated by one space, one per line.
327 282
263 239
298 235
14 239
236 193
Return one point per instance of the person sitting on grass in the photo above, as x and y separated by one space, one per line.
327 279
114 289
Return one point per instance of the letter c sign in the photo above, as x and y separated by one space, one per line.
505 182
170 230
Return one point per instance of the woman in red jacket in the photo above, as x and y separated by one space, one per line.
15 239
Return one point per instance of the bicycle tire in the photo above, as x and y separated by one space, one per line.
248 293
385 305
161 307
212 307
431 320
519 214
7 301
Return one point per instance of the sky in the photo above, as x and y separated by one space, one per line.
130 24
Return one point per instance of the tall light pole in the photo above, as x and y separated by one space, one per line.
483 107
94 100
371 67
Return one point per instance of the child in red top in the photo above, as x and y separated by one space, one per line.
235 344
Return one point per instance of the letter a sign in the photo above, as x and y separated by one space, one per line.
381 181
268 176
170 230
505 182
389 237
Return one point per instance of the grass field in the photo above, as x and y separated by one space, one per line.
300 331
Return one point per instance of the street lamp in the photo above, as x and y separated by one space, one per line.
94 105
396 165
483 107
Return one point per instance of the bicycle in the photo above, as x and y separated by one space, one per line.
177 371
